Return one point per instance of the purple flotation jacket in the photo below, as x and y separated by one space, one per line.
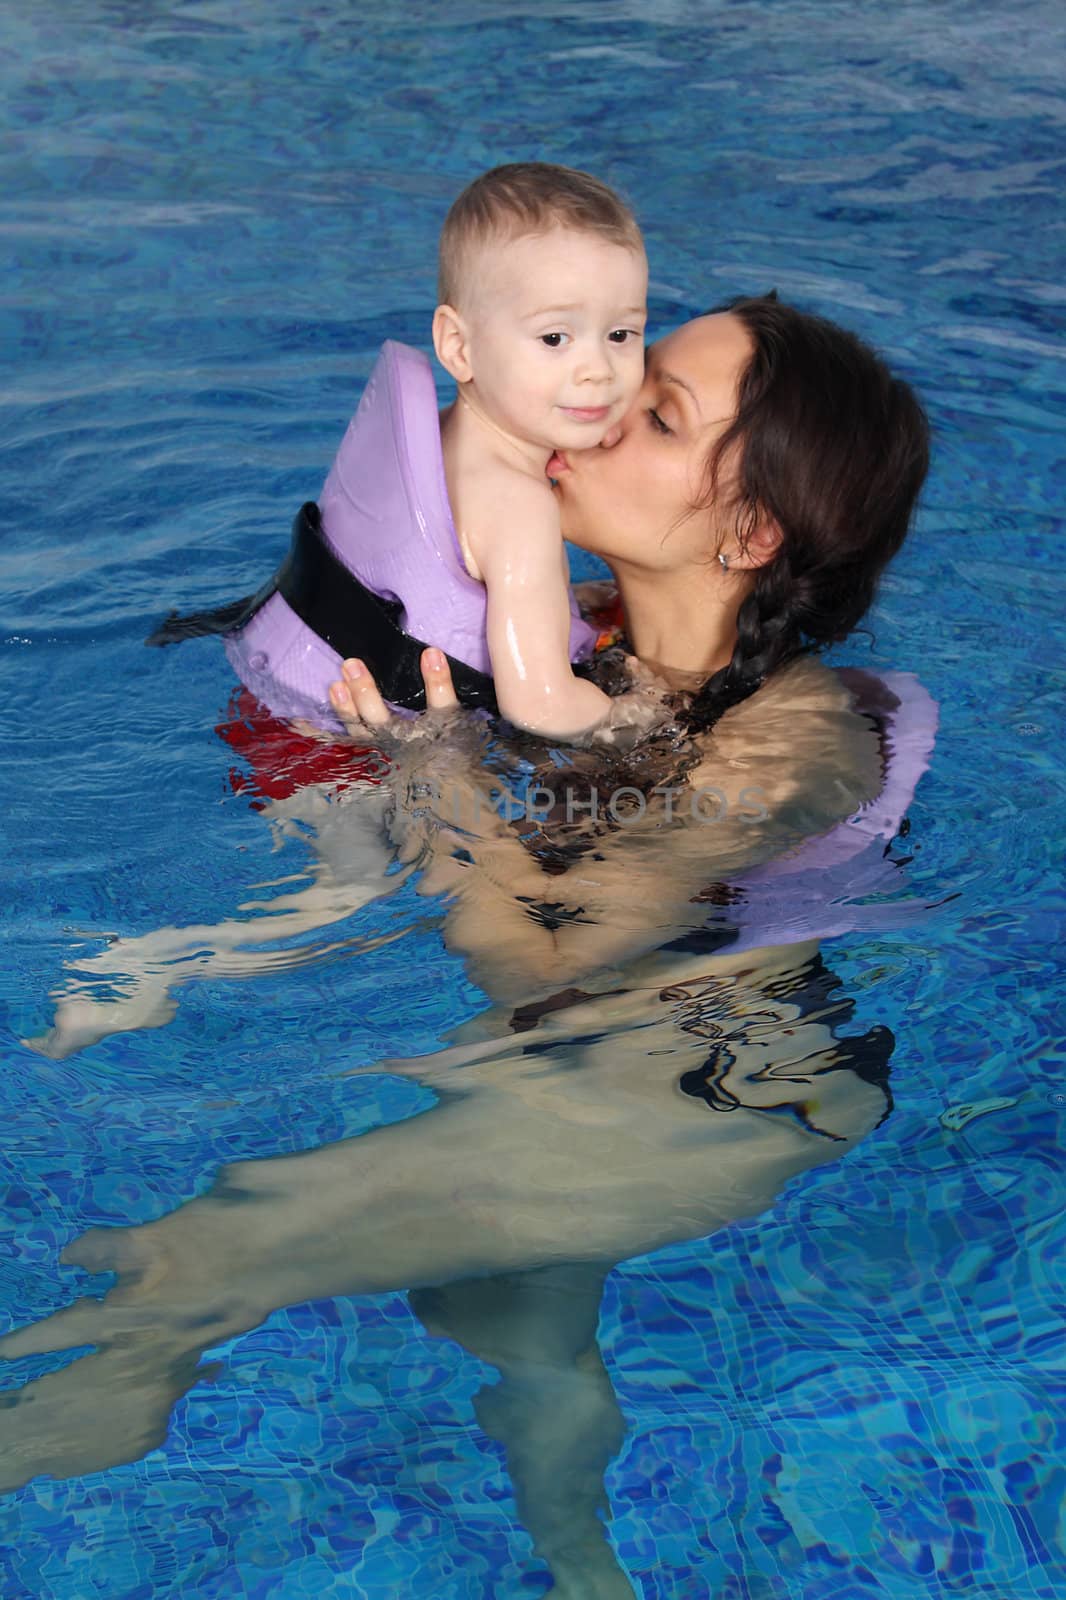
374 569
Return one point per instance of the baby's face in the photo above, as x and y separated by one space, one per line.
556 335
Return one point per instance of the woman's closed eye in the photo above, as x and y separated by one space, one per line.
657 422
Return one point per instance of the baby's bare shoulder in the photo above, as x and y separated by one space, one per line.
498 482
507 510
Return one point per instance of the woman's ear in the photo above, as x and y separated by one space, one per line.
450 341
760 544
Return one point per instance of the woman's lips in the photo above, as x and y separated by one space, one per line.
557 464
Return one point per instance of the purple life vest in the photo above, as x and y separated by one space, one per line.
385 516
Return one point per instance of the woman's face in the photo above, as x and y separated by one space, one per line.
633 502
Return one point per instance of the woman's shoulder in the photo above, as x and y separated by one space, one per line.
803 684
806 688
801 737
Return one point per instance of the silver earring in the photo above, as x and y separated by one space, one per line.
723 561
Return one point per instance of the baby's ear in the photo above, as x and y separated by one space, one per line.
450 343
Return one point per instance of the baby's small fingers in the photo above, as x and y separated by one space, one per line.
437 677
343 704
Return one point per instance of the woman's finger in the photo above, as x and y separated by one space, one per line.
437 677
356 699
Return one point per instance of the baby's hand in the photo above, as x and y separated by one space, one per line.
643 677
634 714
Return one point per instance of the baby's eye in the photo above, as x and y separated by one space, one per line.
623 335
657 422
553 340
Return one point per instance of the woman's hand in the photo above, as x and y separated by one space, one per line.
357 700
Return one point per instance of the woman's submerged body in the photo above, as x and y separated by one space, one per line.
583 1120
561 1140
609 1128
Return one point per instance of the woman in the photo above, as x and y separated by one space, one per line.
746 509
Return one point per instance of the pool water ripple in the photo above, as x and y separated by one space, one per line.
211 216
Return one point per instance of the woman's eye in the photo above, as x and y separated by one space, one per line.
552 340
657 422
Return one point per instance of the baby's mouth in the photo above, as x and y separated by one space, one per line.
587 413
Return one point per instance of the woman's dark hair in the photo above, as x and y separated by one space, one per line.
834 449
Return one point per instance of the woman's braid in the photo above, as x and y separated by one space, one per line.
831 451
769 633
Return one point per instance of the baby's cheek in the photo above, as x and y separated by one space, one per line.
634 377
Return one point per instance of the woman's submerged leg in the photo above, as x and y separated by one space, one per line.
413 1203
581 1142
553 1411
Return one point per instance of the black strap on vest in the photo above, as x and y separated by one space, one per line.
342 611
201 624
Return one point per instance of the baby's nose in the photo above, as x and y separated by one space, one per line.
595 367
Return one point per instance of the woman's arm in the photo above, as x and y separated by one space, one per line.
790 762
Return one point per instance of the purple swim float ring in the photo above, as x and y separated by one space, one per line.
846 881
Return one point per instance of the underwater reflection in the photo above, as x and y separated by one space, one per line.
596 1128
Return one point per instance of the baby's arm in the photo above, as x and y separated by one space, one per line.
520 556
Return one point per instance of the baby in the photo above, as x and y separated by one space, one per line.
543 282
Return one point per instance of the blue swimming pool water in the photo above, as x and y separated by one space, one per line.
212 214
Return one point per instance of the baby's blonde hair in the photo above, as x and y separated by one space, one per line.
522 198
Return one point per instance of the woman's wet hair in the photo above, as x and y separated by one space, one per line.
833 448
